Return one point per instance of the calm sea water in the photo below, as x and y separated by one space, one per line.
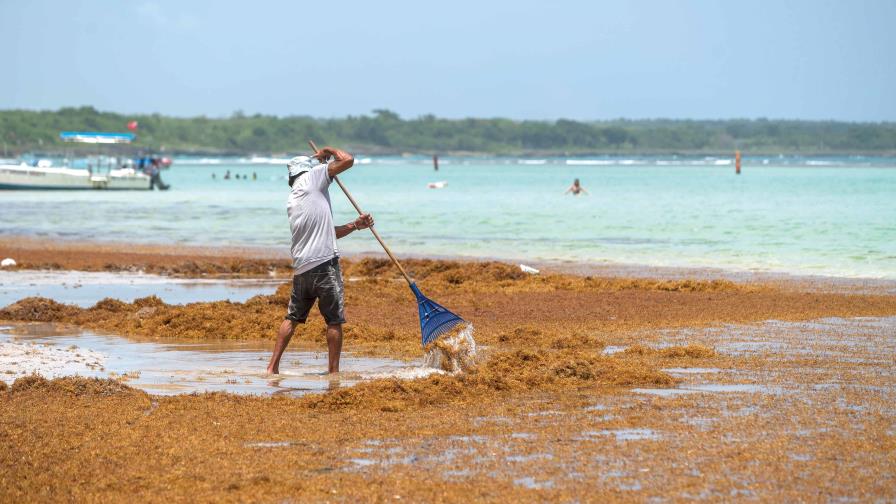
821 216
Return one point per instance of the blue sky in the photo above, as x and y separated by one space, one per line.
520 59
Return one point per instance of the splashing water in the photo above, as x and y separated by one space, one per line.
453 352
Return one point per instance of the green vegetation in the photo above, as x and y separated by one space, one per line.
386 132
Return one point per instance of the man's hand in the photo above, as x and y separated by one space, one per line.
363 222
341 160
323 154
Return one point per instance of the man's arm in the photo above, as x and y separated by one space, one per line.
342 160
362 222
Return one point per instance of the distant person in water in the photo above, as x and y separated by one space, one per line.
227 175
576 188
254 176
213 175
315 257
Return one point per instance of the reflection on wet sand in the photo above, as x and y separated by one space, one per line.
85 288
178 367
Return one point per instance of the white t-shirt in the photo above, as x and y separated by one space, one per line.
311 220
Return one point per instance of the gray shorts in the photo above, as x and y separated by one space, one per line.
324 284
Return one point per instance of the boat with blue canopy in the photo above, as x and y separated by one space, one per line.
93 172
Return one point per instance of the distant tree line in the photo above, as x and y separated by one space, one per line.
384 131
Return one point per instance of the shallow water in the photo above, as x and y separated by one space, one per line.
863 341
746 388
179 367
669 392
623 434
781 215
86 288
694 370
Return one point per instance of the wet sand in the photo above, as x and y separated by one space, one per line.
173 260
589 389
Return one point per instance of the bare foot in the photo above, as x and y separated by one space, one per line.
275 370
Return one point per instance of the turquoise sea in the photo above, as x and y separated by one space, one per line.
821 216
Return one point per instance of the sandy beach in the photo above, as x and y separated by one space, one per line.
351 252
587 388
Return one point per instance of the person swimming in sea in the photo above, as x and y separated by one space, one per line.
576 188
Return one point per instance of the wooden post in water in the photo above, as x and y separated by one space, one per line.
737 162
435 162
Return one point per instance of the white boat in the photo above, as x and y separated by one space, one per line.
23 176
101 172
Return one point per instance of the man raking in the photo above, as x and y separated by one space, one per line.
316 273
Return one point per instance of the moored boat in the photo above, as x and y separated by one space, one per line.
99 172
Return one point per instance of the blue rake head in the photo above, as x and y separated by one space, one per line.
435 320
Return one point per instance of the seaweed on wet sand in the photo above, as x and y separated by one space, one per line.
560 418
542 414
38 310
694 351
382 316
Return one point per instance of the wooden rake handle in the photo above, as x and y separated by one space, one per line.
372 230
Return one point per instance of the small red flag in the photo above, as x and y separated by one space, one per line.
132 125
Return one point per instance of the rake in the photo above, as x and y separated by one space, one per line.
435 319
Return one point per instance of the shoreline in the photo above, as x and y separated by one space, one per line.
249 261
497 296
